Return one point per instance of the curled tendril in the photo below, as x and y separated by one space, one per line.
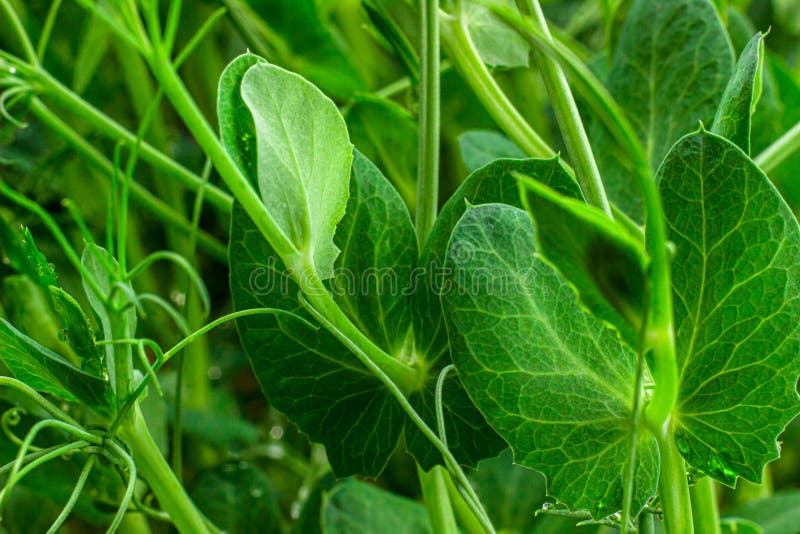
439 404
13 417
11 96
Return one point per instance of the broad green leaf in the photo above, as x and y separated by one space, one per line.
739 100
238 498
308 375
597 256
354 506
777 514
43 369
387 134
378 245
465 427
481 147
554 381
304 156
497 44
739 526
669 72
735 275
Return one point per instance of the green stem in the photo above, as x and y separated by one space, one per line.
780 150
673 488
568 117
429 127
22 35
704 506
459 46
144 198
123 357
154 469
437 500
106 126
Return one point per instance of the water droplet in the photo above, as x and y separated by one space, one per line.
256 493
275 452
276 432
295 510
178 297
13 70
214 373
303 492
547 506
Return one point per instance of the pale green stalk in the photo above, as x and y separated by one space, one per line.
437 500
429 128
780 150
704 506
568 117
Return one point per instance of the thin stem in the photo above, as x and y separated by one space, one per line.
47 29
73 498
123 358
568 117
780 150
429 127
459 46
437 500
35 396
630 468
439 402
704 506
22 35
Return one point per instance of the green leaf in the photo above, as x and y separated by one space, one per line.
310 518
237 129
238 498
735 277
387 134
497 44
596 255
739 100
777 514
739 526
669 72
378 245
26 258
481 147
354 506
554 381
304 157
469 436
308 375
46 371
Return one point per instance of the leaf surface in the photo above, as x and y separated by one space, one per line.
355 506
497 44
736 286
481 147
554 381
596 255
44 370
741 95
387 135
304 156
670 69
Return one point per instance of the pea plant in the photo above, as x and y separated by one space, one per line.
610 298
